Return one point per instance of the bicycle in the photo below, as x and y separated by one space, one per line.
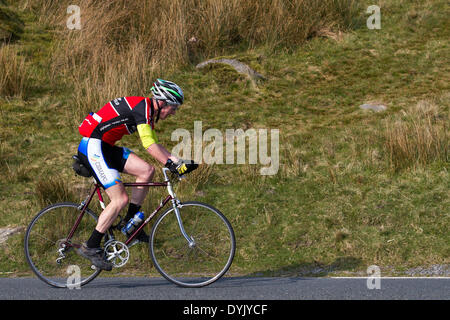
192 244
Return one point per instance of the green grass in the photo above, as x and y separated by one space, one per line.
337 203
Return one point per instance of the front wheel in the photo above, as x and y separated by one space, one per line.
194 264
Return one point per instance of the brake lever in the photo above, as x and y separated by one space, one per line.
176 177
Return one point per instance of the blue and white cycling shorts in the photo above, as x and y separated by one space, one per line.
104 160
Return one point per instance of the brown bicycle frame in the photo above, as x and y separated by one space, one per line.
126 184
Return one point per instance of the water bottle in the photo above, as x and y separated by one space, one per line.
133 223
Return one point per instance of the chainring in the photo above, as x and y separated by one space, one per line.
117 253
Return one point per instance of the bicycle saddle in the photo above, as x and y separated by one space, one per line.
79 168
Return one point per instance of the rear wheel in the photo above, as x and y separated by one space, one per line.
51 256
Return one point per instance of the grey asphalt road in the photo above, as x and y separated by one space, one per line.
234 288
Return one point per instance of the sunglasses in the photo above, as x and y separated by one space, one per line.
173 106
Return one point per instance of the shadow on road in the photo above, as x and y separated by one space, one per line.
225 282
311 269
289 274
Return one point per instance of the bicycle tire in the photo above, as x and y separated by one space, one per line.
43 225
168 247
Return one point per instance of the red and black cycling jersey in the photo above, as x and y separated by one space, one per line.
118 117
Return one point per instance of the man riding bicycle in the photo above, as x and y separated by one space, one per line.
97 151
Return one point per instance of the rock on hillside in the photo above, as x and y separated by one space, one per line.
7 232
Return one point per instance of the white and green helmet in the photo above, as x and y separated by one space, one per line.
167 91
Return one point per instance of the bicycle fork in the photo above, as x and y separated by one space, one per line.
176 204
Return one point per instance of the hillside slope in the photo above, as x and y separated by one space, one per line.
354 187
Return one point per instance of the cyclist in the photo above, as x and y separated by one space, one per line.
97 151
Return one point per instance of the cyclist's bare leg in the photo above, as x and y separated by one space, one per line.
143 172
119 200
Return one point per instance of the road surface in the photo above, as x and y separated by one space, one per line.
234 288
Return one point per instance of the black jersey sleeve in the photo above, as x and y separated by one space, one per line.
143 113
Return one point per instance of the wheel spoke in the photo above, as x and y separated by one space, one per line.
45 237
211 255
51 241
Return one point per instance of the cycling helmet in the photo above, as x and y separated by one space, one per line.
167 91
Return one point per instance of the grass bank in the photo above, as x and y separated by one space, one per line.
354 187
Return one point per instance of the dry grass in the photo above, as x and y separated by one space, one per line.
53 190
123 45
419 137
14 77
112 76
